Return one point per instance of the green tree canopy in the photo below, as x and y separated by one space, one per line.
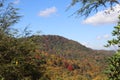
116 33
113 70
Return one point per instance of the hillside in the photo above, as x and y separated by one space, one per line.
50 57
85 62
68 48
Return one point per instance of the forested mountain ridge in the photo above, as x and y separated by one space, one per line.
68 48
50 57
71 57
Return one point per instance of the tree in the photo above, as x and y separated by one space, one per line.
17 61
116 33
8 16
113 70
88 6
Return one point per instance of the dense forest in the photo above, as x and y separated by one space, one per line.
50 57
72 60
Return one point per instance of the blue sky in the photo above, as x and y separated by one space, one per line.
51 17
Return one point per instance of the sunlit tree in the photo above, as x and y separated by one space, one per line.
113 70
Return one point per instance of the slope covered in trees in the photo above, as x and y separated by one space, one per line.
69 58
65 47
50 57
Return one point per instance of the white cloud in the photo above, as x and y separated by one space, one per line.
105 36
101 17
16 2
99 37
47 12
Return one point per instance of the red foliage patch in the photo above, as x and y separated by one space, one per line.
70 67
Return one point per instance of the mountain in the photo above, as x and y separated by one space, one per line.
68 48
88 63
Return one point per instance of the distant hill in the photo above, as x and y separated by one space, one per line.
90 64
54 44
68 48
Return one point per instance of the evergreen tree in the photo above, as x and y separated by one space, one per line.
113 70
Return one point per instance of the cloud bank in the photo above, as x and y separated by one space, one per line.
48 12
105 36
101 17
